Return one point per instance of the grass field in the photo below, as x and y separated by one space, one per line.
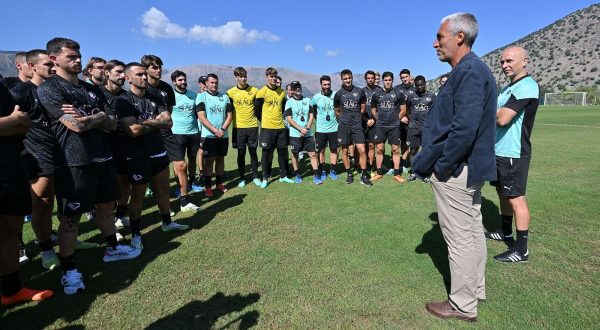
339 256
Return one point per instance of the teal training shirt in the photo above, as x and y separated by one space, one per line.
299 110
326 120
513 140
216 107
185 120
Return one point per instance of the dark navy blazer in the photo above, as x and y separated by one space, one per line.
460 129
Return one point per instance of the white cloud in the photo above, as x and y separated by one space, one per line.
309 48
332 52
157 25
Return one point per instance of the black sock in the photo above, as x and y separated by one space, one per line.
67 263
297 172
21 243
397 171
166 218
320 167
349 171
191 179
121 211
364 172
207 181
521 244
111 240
379 171
11 284
219 179
46 246
184 200
507 225
331 168
316 172
136 227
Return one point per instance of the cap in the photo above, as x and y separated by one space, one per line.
202 79
295 84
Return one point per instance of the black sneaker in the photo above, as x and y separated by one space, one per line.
350 179
512 255
365 180
412 177
498 236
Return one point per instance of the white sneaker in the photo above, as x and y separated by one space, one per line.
23 258
120 237
190 207
136 242
72 282
173 226
121 252
121 222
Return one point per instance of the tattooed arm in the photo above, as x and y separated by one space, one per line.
163 120
83 124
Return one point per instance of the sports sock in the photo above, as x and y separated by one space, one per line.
166 218
321 167
317 172
507 225
67 263
46 246
397 171
11 284
253 162
184 200
207 181
111 240
241 162
379 171
349 171
363 172
521 244
121 211
331 168
136 227
21 243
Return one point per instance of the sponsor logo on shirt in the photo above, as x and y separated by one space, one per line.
137 177
73 205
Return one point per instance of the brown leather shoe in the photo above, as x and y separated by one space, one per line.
444 310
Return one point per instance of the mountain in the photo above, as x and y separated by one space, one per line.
562 56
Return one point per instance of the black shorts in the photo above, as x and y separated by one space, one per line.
324 139
38 157
15 196
350 135
413 138
389 134
141 170
370 133
303 143
36 167
215 147
273 138
403 132
242 137
80 188
178 144
512 176
121 165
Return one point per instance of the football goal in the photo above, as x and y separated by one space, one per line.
565 98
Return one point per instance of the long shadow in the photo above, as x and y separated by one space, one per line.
100 278
204 314
491 215
434 245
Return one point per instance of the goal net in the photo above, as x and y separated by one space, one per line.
565 98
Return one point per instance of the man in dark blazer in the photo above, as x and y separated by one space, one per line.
458 156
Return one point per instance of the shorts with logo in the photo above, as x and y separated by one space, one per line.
391 134
15 196
303 143
215 147
177 145
413 138
140 170
324 139
242 137
512 176
350 135
273 138
80 188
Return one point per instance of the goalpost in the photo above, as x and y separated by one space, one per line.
565 98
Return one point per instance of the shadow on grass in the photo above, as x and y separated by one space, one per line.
434 245
490 214
204 314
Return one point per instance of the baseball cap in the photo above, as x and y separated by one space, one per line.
295 84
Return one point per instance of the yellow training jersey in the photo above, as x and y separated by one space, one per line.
272 110
243 106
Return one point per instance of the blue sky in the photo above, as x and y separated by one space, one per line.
319 37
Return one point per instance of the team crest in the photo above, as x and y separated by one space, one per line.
393 96
153 104
163 93
428 99
355 94
92 95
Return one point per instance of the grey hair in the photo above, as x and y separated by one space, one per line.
465 22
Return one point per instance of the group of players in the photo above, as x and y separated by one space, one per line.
96 147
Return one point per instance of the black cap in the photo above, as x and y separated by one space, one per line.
202 79
295 84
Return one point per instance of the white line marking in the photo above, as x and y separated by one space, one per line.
565 125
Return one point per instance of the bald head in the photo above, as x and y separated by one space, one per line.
513 61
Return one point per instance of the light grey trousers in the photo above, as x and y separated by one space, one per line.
459 213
